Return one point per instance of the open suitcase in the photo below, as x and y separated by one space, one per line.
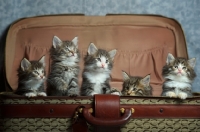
142 44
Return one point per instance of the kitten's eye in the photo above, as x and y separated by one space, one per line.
106 61
98 59
176 67
36 72
184 68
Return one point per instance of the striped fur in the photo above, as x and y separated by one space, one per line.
96 73
136 86
31 76
63 78
178 74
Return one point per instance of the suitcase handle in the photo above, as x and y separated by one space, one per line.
107 122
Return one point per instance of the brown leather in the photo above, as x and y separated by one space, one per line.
107 122
107 106
107 114
39 110
67 111
79 123
80 126
164 111
142 43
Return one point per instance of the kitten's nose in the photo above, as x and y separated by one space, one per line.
129 92
103 65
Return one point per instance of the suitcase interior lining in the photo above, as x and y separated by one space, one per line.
141 48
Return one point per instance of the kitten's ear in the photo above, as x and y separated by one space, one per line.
42 60
56 42
170 58
112 53
192 62
146 80
92 49
125 76
25 64
75 41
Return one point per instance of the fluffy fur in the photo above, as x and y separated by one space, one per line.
63 78
179 74
31 76
115 91
136 86
97 68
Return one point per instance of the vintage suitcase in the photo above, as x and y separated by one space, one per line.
142 44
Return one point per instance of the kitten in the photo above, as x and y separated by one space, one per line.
136 86
31 76
179 74
115 91
63 78
97 68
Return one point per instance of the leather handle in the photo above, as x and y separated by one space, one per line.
107 122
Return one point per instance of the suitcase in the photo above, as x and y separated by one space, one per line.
142 43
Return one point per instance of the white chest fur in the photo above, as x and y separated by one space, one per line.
176 84
34 84
178 78
97 79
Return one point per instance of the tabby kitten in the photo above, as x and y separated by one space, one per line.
63 78
179 74
136 86
31 76
97 69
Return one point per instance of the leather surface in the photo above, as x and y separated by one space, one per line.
165 111
80 125
39 110
67 110
107 106
107 122
106 113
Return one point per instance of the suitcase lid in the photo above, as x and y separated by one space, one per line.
142 43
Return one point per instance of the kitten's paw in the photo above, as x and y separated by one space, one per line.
182 95
30 95
41 94
171 94
115 93
73 92
93 93
132 93
63 86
